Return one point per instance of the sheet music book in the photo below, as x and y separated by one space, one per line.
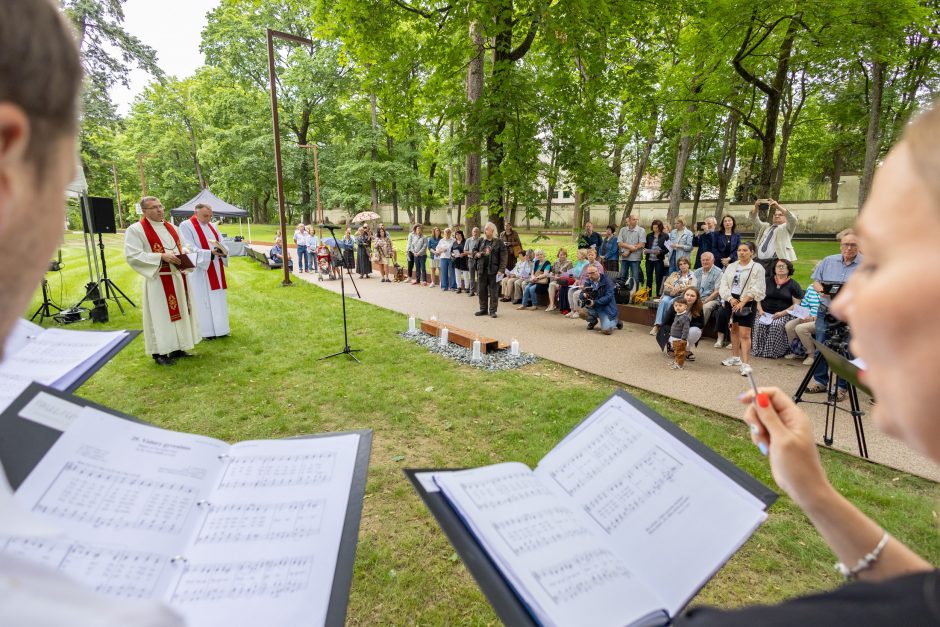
259 532
620 524
60 358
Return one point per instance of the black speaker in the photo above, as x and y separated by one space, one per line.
102 215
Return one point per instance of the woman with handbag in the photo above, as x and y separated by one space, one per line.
674 287
363 252
538 281
459 254
443 252
384 254
742 286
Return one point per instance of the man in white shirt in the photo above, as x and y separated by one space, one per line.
39 89
209 293
775 240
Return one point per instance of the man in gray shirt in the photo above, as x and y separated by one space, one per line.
631 240
471 262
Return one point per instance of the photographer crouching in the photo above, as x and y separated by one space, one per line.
831 273
597 300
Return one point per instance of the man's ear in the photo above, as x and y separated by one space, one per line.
14 133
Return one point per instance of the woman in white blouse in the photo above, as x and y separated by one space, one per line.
742 287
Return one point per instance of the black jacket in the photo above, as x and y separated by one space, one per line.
660 241
493 256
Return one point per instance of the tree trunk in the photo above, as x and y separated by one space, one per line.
374 154
639 172
616 165
474 159
577 222
682 159
697 195
727 161
836 175
552 182
192 147
430 202
873 136
774 93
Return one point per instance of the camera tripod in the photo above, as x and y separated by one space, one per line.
832 405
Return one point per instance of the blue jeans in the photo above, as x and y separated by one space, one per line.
446 269
528 295
821 374
421 271
452 275
607 323
303 258
664 304
631 269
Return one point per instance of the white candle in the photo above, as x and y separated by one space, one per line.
444 334
476 351
411 324
514 348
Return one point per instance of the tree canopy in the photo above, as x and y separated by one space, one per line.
489 107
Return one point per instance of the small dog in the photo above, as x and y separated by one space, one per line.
399 273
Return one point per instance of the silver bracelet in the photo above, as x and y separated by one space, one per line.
865 563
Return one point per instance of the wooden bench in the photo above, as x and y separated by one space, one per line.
458 336
262 258
645 314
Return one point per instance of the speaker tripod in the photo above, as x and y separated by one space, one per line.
832 406
45 309
104 289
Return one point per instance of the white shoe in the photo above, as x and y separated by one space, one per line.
654 330
732 361
808 361
719 343
791 356
552 308
744 370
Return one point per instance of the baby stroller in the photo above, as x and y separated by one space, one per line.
324 262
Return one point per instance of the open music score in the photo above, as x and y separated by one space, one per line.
114 572
272 579
597 529
226 534
271 471
117 500
254 522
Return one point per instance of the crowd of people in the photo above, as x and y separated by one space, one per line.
746 287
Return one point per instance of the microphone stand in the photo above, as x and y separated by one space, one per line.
342 285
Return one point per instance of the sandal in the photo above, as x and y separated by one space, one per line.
816 388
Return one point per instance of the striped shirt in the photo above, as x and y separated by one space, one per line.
811 300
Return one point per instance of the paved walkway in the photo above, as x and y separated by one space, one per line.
633 358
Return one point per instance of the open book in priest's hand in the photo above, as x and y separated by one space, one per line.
620 524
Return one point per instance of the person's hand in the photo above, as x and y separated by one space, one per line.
785 434
736 306
170 258
780 314
754 210
725 261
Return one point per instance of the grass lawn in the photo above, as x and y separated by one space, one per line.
809 253
265 382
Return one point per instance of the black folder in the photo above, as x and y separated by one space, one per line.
23 443
500 594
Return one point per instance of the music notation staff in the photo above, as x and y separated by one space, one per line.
270 471
113 572
493 493
596 455
639 483
533 531
242 580
116 500
571 578
251 522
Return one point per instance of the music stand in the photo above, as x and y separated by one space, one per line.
342 286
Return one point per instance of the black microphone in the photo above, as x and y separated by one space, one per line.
328 226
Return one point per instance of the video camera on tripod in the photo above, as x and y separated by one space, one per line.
838 334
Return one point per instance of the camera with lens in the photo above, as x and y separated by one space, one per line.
838 335
586 298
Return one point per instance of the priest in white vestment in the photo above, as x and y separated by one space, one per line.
153 248
208 288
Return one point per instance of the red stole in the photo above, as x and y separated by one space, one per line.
166 276
214 283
